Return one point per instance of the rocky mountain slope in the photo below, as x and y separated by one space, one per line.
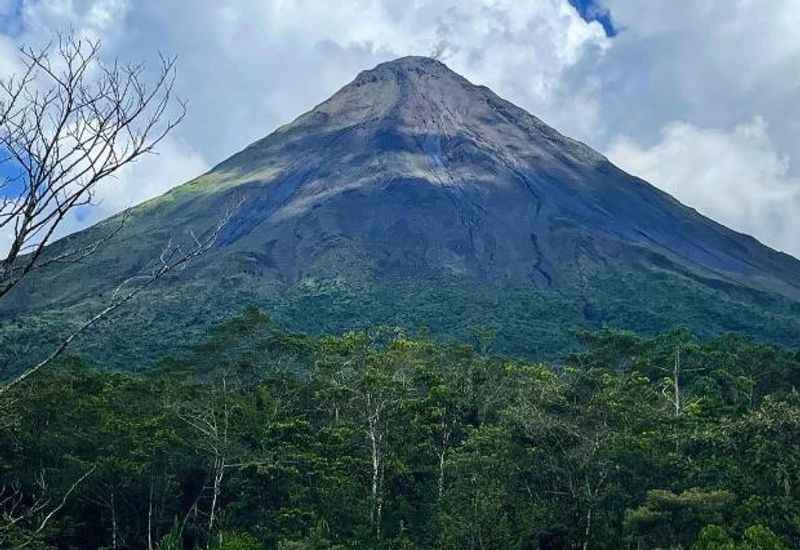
412 197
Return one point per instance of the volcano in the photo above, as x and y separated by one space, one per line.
414 198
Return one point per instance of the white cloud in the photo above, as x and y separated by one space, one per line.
9 58
149 176
251 65
709 62
146 178
95 20
736 177
522 50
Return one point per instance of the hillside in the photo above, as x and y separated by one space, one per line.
412 197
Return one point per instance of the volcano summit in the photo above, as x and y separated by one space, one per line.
412 197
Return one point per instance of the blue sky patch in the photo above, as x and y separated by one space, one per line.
10 18
592 10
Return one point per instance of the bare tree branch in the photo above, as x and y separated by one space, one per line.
67 123
16 509
64 499
63 130
173 257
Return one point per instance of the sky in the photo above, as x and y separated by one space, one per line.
698 97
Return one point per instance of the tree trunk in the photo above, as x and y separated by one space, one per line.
442 452
150 517
588 530
376 444
376 470
219 472
441 474
113 523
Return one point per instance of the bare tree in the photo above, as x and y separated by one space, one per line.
212 422
671 384
371 387
67 123
31 513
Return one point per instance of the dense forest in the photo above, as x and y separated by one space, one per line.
260 438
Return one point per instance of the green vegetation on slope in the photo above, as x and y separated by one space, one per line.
260 438
537 324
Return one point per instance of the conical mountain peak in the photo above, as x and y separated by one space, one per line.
405 91
419 107
463 181
430 195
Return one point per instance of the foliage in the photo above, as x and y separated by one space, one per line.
519 321
757 537
259 438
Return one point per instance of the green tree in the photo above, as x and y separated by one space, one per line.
667 518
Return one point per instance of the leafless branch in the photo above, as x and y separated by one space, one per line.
64 499
67 123
174 257
15 508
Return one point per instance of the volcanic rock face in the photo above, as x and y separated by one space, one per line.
410 169
410 173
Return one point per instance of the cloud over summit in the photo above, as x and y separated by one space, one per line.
699 71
